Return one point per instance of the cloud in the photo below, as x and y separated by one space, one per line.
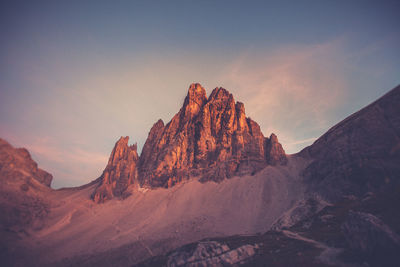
70 165
292 90
48 147
305 141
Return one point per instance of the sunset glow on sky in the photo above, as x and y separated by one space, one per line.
77 75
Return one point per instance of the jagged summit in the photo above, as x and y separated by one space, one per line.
120 172
209 138
194 101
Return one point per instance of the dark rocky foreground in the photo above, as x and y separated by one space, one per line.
351 216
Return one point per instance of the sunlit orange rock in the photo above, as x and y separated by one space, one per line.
209 138
120 173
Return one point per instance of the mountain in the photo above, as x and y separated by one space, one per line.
22 185
349 213
23 202
209 138
232 198
120 173
360 154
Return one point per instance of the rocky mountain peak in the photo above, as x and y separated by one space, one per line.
121 150
120 172
216 142
209 138
220 94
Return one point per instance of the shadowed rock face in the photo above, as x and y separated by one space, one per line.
210 138
23 187
120 172
367 233
274 152
211 254
360 154
17 162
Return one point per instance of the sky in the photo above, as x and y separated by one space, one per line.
77 75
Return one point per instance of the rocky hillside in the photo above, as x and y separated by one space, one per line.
361 154
22 187
209 138
23 203
17 164
349 214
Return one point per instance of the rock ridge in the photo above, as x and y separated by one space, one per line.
209 138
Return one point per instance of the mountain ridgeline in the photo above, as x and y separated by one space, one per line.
209 138
335 203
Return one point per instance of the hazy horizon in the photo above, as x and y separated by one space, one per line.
75 76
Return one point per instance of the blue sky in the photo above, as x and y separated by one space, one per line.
77 75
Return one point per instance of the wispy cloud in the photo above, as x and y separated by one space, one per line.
49 148
304 141
292 90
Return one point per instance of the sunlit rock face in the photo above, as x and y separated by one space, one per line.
209 137
120 172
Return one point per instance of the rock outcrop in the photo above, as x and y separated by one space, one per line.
211 253
367 233
23 190
120 173
274 152
209 138
17 163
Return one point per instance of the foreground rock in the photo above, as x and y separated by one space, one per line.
367 233
211 253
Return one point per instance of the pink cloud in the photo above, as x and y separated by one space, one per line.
292 90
